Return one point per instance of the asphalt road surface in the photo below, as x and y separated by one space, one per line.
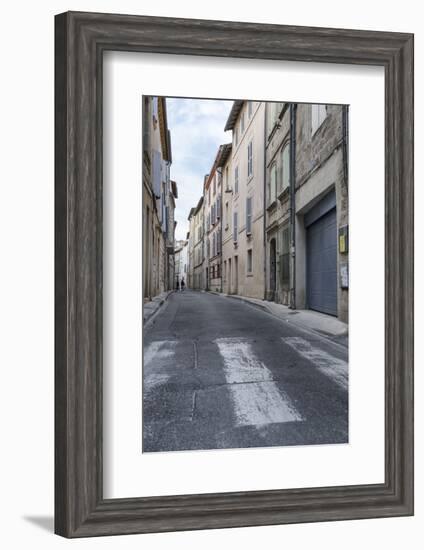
219 373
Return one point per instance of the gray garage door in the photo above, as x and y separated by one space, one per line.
322 263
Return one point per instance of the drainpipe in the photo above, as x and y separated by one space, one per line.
345 142
264 201
293 112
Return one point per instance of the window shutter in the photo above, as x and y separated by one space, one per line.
156 173
285 161
249 215
250 159
235 228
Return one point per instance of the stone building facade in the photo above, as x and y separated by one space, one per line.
243 244
159 195
197 276
307 207
213 197
274 211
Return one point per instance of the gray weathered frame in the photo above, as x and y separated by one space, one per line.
80 40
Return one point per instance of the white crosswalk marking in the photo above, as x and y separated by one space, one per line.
155 362
257 399
337 369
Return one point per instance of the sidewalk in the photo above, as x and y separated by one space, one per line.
151 308
306 319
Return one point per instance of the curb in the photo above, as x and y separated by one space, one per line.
159 300
322 334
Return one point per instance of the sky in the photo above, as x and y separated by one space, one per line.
197 130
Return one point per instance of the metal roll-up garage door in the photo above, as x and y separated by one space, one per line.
321 268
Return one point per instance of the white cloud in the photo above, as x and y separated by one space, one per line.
197 130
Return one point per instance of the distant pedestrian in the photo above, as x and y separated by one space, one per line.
182 284
177 285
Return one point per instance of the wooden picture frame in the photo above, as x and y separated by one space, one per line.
81 39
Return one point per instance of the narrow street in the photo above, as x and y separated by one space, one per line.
220 373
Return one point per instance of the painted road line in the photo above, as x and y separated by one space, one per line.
334 368
156 362
256 397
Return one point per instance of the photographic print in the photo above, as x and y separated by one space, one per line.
245 274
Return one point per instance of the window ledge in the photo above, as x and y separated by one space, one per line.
271 206
284 194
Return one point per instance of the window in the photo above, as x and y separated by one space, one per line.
242 123
249 261
285 167
318 113
218 207
235 227
218 242
214 244
227 181
226 215
285 258
249 108
236 135
250 160
272 187
214 184
209 195
208 247
236 180
248 215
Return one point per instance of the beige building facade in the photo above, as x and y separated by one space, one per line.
159 195
213 198
243 237
197 247
273 219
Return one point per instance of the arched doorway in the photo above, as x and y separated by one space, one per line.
272 268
